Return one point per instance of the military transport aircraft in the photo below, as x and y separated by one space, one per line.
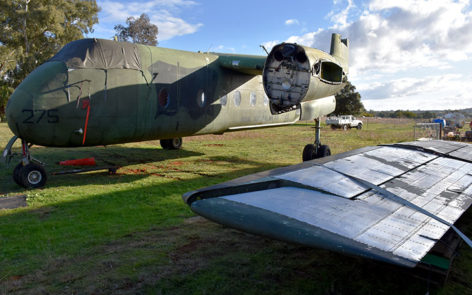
102 92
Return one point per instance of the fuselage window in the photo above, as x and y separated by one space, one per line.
237 98
201 99
253 98
224 100
163 98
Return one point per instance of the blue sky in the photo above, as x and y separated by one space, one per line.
405 54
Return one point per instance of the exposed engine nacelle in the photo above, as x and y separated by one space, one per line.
294 73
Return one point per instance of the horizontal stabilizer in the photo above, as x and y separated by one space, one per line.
391 203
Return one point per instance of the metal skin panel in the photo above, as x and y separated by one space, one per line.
322 199
375 166
464 153
337 215
326 180
263 222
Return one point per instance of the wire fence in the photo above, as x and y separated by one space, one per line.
427 131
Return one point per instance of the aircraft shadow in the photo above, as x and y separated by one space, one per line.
111 156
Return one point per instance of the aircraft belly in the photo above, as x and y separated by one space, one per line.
329 197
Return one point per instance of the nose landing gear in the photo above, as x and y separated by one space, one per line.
29 173
316 150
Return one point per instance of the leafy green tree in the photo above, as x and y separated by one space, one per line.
403 114
31 32
139 30
348 101
5 92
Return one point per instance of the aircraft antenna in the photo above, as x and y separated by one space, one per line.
209 47
263 47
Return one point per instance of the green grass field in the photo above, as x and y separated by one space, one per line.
131 233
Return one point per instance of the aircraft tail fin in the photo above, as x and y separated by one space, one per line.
340 50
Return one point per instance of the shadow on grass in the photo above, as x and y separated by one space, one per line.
145 240
67 227
121 156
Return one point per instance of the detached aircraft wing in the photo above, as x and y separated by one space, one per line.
391 203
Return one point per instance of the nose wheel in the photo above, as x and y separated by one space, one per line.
31 175
27 173
316 150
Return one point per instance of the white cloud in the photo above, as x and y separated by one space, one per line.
270 44
339 18
410 86
397 39
170 26
222 48
449 91
162 13
290 22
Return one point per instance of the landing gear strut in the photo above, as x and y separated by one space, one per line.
29 173
316 150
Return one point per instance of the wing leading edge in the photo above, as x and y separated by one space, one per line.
246 64
326 203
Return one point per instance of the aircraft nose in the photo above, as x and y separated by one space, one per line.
20 102
32 109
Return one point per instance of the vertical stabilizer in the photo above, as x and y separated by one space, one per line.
340 50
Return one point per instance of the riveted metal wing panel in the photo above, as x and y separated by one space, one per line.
330 197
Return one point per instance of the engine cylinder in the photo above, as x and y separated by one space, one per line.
294 73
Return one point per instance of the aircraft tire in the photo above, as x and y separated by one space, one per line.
32 176
309 152
323 151
16 173
172 143
359 126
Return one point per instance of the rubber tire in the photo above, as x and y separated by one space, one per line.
333 127
28 173
344 127
323 151
172 143
309 152
359 126
16 173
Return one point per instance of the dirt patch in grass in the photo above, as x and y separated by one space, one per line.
127 264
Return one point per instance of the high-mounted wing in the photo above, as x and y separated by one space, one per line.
390 203
246 64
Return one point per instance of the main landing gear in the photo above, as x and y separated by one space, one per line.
172 143
316 150
29 173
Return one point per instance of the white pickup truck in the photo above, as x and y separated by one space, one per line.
344 122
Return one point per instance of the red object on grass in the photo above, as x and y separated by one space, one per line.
79 162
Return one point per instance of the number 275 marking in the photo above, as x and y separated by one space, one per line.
35 116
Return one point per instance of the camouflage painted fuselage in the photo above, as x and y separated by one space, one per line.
100 92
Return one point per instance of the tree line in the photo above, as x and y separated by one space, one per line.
31 32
